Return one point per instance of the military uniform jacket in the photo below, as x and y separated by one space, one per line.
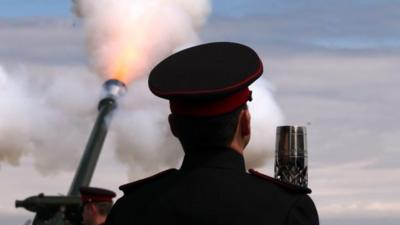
212 188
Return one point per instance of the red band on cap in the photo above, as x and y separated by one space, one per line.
210 108
85 198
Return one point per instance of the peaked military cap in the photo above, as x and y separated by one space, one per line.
208 79
94 194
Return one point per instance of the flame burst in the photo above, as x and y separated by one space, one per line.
124 65
127 38
124 54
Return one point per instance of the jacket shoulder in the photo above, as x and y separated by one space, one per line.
133 185
289 187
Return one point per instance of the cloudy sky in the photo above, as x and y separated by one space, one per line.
331 65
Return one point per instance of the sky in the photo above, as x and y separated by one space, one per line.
332 66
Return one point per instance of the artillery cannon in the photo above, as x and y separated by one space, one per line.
66 210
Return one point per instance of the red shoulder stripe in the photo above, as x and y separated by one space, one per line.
127 187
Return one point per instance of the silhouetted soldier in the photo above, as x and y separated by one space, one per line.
96 204
207 87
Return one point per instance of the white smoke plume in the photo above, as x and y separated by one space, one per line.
49 116
266 116
126 38
45 116
13 134
151 30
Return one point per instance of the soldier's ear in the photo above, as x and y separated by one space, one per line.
245 122
91 208
171 122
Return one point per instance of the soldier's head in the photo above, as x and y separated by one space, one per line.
207 87
96 204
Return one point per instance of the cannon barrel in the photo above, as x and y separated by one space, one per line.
62 210
113 89
41 202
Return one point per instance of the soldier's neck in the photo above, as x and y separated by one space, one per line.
237 147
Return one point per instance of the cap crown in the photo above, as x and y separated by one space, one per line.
94 194
206 70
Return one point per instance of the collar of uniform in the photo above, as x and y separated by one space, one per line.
222 158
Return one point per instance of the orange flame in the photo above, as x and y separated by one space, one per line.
123 66
129 56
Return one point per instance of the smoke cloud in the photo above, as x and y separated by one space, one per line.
266 116
127 38
49 116
130 37
12 96
45 116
